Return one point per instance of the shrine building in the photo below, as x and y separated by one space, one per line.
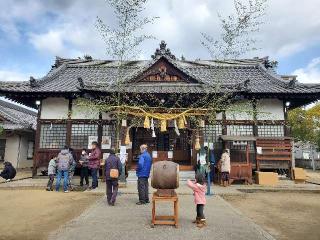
258 137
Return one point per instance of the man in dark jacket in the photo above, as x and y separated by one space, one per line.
9 172
143 173
64 160
94 163
112 162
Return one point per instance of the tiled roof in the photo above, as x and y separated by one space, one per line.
16 117
249 75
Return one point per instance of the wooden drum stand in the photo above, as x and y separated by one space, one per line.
165 197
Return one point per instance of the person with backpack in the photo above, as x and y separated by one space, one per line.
113 168
64 160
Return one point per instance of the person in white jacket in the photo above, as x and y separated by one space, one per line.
52 168
225 167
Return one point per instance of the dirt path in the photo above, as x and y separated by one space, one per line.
32 214
293 216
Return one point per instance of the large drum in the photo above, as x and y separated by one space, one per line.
165 175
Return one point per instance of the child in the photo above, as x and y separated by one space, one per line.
199 189
84 172
51 172
225 167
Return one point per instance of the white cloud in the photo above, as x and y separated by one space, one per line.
51 42
291 26
8 75
309 74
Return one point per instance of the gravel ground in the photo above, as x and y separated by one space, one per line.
128 221
285 215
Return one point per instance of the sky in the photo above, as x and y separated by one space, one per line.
34 32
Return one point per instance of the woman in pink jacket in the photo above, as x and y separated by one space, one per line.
199 190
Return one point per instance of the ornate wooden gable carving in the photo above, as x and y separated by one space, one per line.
163 70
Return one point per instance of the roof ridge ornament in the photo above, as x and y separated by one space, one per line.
163 52
81 83
33 82
292 83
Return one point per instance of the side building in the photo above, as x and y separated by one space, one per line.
17 134
258 138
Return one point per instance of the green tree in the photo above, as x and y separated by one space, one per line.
305 124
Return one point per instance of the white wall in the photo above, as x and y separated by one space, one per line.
11 151
270 109
16 154
54 108
82 112
238 113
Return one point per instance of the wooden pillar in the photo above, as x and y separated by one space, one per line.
100 129
37 143
285 111
224 128
69 124
194 152
255 130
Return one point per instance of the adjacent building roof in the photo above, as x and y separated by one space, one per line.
14 117
251 76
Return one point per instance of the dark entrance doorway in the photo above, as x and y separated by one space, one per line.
164 144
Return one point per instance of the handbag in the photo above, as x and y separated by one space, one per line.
114 173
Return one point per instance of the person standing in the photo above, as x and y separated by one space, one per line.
225 167
64 160
52 169
72 168
143 173
84 171
199 191
94 164
9 172
113 169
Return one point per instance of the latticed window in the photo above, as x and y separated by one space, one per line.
80 134
109 130
212 133
271 131
240 130
53 135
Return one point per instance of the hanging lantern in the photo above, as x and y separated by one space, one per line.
201 123
127 139
181 124
146 123
197 144
124 122
163 126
